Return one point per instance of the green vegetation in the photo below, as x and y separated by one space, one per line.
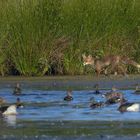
71 128
39 37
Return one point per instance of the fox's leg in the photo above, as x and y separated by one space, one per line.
125 71
114 68
115 73
98 71
121 69
106 71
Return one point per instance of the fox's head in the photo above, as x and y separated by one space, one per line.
88 60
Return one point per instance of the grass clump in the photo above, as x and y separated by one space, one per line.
49 36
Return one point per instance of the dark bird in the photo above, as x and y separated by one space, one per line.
94 104
97 91
17 89
8 110
126 106
69 96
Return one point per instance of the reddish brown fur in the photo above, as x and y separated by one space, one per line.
115 61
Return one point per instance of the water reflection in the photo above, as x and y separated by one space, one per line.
10 120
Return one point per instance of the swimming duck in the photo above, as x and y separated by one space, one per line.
69 96
126 106
94 104
17 90
96 89
115 99
137 90
113 93
8 110
114 96
19 104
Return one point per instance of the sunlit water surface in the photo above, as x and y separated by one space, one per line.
49 105
46 110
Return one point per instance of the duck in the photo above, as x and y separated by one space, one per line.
69 96
113 96
112 93
113 100
128 107
137 90
19 104
8 110
96 89
17 89
94 104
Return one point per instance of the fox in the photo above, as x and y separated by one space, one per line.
116 62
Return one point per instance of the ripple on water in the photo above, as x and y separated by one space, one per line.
40 104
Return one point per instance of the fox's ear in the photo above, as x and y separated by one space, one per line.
97 57
89 56
83 55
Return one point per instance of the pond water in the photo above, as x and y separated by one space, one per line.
45 112
49 105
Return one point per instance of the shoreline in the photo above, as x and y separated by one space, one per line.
73 82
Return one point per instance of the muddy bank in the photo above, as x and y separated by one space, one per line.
74 82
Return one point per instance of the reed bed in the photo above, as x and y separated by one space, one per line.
47 37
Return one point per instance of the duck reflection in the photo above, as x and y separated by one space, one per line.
10 120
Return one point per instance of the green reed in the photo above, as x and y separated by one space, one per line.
29 28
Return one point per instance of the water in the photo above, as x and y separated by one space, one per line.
46 113
49 105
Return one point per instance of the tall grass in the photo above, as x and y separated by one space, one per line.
30 28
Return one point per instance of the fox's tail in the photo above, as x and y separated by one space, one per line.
138 66
133 63
129 61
